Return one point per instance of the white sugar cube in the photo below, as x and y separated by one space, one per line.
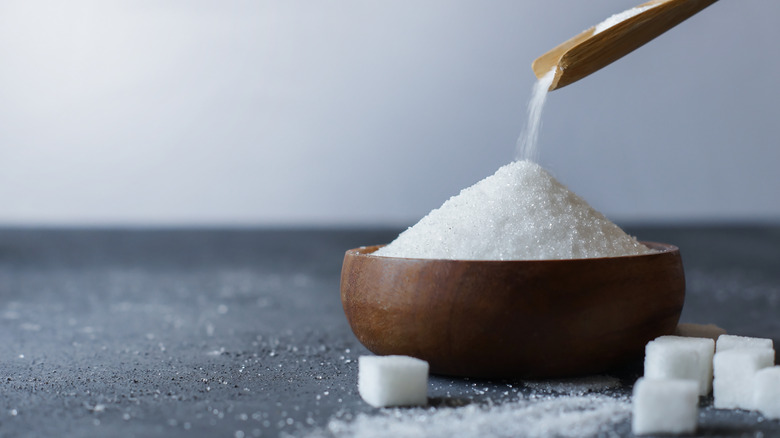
662 406
699 330
728 342
766 392
393 380
734 371
676 357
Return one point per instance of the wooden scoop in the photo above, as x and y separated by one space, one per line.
590 51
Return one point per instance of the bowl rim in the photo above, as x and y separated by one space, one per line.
659 247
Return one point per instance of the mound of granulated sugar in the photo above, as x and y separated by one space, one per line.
519 213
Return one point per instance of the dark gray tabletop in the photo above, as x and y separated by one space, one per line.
241 333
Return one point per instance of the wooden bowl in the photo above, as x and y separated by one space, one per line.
527 318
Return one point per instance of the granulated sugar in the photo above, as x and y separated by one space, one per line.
519 213
547 416
574 386
526 143
620 17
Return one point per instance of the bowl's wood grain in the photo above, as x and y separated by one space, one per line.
545 318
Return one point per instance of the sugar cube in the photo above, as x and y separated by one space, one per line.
734 371
766 392
728 342
393 380
665 406
676 357
689 330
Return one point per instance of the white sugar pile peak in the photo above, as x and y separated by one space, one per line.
519 213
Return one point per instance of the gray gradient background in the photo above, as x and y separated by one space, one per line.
371 112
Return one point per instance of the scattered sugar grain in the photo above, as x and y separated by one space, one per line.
560 416
574 386
519 213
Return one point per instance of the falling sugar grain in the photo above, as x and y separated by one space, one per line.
526 143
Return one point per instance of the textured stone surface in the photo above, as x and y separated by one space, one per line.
241 333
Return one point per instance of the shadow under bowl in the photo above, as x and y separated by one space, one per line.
513 319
